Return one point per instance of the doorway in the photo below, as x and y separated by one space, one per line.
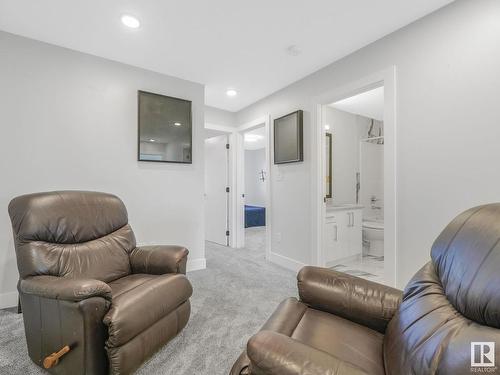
357 177
255 190
355 184
253 186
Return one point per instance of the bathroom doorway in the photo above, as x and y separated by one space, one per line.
355 184
357 214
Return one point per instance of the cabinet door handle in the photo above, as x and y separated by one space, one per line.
352 219
336 232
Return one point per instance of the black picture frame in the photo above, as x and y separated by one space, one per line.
189 124
295 143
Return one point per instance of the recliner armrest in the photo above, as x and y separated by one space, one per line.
362 301
62 288
158 260
272 353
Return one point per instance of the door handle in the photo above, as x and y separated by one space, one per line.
336 232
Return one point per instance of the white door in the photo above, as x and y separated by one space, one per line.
216 196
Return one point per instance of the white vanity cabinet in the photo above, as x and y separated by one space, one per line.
343 233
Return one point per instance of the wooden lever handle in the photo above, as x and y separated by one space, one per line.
53 359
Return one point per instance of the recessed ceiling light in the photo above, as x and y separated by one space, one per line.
327 127
177 124
152 140
130 21
231 92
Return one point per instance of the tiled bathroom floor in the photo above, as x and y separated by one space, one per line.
368 267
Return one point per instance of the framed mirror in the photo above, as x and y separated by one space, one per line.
328 164
165 129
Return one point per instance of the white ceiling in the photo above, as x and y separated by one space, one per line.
255 139
369 104
220 43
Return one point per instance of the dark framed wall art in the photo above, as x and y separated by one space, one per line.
288 138
165 129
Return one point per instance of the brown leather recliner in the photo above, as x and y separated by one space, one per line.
346 325
85 284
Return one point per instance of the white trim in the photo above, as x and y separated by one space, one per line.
269 164
285 262
386 77
8 299
239 191
196 264
222 128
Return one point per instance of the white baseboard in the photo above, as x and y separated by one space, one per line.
8 299
285 262
196 264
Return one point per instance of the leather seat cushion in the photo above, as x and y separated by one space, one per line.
348 341
139 301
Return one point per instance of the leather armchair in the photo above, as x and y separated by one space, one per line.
346 325
84 283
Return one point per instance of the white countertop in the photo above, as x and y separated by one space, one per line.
342 207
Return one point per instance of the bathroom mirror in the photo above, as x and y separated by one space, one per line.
165 129
328 164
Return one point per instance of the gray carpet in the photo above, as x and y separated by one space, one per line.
232 298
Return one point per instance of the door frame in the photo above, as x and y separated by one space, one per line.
386 78
239 174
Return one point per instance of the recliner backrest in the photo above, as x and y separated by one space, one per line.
72 234
453 301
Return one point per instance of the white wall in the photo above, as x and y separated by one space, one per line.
447 128
255 188
69 121
216 116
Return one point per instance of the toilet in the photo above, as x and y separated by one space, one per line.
373 234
